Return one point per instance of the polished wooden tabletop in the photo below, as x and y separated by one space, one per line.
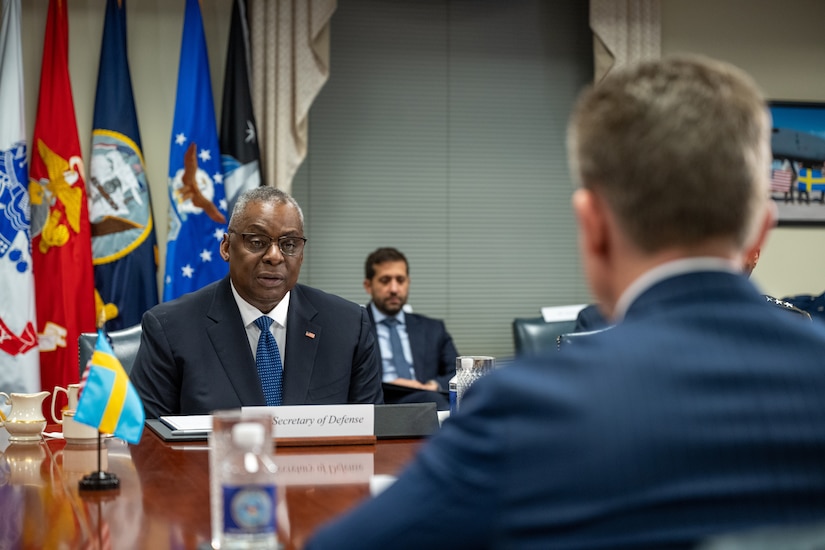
163 498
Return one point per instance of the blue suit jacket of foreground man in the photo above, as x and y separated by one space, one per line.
689 417
700 412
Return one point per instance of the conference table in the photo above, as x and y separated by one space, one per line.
163 497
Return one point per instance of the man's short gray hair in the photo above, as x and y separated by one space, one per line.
263 194
679 148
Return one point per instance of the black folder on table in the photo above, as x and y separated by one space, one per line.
394 393
166 433
406 420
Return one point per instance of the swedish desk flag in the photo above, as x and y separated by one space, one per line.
120 208
197 203
108 401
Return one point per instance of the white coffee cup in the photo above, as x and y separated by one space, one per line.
72 391
75 432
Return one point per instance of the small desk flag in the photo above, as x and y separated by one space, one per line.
108 401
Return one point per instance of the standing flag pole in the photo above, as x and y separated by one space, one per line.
124 246
99 480
197 203
61 241
19 353
240 156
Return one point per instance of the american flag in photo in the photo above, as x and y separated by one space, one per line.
781 179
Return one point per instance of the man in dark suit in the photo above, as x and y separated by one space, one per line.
699 412
198 353
590 318
427 353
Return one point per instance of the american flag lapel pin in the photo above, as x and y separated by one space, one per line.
309 334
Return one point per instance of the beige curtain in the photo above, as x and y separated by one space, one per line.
624 31
289 42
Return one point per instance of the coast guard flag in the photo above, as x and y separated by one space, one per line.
61 241
108 401
19 355
239 136
197 205
120 209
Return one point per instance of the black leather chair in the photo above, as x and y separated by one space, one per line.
534 335
125 344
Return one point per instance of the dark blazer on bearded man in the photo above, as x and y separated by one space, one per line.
195 358
701 412
432 348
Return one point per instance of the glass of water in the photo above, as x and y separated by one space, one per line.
468 369
225 450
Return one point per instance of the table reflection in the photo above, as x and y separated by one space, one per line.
163 498
20 464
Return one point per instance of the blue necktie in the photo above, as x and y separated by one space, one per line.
402 367
268 361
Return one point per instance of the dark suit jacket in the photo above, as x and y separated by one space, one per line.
590 318
432 347
194 354
701 412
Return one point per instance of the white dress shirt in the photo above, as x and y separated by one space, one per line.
278 327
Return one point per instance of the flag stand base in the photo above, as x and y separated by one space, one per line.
99 481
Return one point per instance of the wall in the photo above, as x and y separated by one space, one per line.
441 132
465 85
782 45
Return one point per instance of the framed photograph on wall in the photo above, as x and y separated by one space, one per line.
798 168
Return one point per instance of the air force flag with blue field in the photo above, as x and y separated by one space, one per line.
108 401
197 203
120 209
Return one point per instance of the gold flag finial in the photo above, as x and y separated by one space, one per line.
104 312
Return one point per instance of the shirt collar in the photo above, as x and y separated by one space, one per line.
249 312
378 316
666 271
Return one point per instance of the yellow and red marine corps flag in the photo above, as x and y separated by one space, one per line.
61 234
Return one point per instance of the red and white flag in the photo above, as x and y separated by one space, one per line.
782 177
19 357
61 234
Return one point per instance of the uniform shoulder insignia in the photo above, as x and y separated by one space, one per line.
787 306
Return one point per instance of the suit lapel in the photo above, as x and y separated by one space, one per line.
228 337
302 340
368 307
417 343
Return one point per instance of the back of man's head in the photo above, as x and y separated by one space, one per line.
678 148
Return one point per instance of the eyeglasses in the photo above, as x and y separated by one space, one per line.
258 244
